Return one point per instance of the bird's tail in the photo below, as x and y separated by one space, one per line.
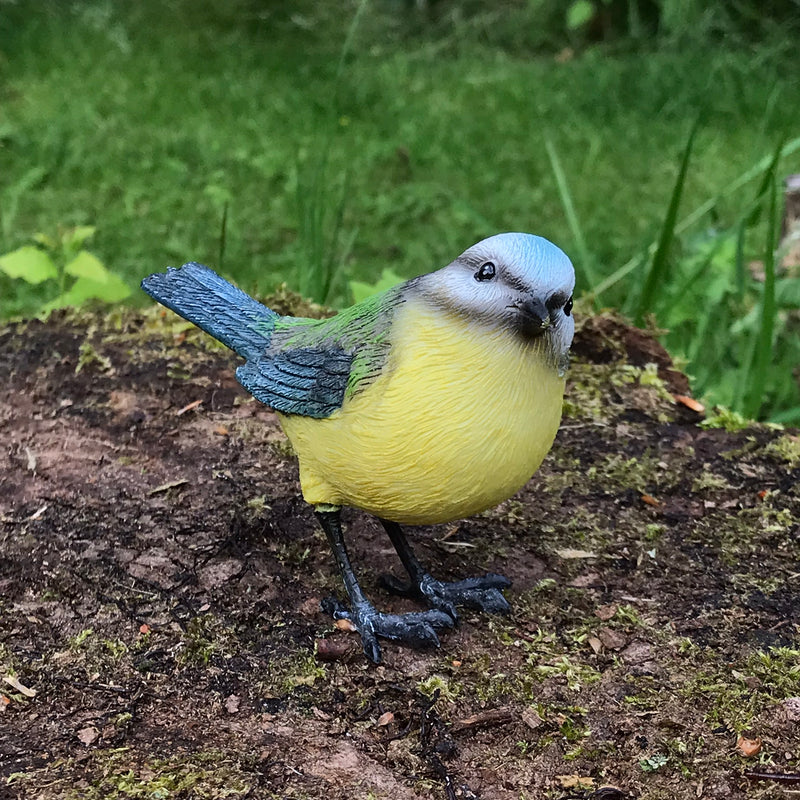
215 305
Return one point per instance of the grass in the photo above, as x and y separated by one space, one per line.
325 146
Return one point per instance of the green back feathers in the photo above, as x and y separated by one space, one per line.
361 330
310 367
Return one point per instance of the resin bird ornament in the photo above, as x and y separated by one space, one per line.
430 402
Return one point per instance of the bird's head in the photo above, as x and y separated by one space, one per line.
513 281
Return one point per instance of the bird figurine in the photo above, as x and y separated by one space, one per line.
432 401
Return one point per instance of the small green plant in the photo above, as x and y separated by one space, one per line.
361 291
57 272
731 313
440 687
654 762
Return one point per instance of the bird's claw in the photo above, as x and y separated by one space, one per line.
480 594
416 629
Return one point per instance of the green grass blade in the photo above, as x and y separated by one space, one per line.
739 267
757 169
347 46
586 274
791 416
223 236
762 354
658 266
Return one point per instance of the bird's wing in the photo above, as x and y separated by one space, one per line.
312 366
311 381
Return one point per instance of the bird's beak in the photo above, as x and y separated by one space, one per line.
534 316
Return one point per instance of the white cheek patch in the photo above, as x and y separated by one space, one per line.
482 298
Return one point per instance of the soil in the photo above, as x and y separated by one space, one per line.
160 581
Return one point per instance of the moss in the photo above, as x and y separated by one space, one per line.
728 420
785 449
282 448
258 505
120 773
204 635
615 473
653 531
708 481
289 672
77 642
88 356
627 615
440 687
575 674
290 303
735 694
743 534
302 670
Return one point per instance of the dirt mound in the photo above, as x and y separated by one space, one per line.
160 583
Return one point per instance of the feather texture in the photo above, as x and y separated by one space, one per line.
215 305
302 380
459 419
294 365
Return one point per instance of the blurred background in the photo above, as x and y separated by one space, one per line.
340 147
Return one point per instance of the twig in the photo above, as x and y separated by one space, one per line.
486 719
787 778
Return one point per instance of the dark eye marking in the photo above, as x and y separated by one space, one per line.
559 300
486 271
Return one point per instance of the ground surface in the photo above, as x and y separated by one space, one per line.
160 580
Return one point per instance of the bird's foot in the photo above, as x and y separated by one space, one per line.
416 629
480 594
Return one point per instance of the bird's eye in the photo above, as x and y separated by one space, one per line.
568 307
486 272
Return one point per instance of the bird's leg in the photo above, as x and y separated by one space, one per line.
416 629
482 594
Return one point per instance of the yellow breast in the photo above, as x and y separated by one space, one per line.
458 421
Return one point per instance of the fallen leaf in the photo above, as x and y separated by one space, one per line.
651 501
232 703
606 612
595 644
791 708
530 716
12 681
31 459
88 735
568 552
310 607
689 402
189 407
575 781
611 639
385 719
4 702
165 487
584 580
221 430
748 747
333 649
